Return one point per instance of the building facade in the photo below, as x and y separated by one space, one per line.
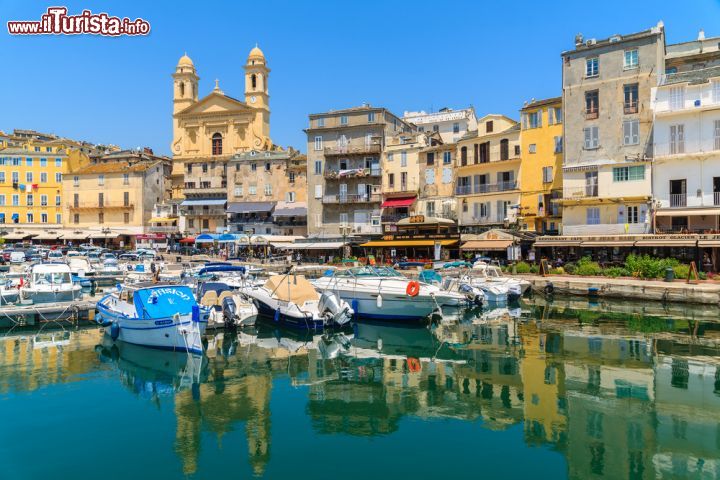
608 132
207 133
488 171
344 175
450 124
436 197
541 166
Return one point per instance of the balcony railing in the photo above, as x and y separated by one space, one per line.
97 206
393 217
606 229
716 198
193 188
629 108
353 149
336 173
591 114
485 188
678 200
352 198
164 229
688 146
580 192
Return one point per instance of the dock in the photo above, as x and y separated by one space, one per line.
64 313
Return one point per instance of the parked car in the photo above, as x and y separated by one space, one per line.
17 256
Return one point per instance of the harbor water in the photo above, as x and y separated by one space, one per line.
567 389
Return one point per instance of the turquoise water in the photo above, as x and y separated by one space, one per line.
567 390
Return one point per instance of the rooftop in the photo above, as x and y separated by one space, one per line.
692 77
584 44
117 167
541 103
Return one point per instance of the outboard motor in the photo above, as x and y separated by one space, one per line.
331 307
229 309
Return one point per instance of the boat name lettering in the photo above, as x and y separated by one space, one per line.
172 291
163 322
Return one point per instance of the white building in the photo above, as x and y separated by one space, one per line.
450 124
686 173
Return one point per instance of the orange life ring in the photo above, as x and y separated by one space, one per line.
413 364
413 288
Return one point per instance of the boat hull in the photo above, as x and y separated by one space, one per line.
270 314
39 296
398 308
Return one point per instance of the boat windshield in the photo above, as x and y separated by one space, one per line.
368 271
51 278
493 272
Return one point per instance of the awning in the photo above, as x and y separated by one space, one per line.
407 243
19 235
163 220
47 236
687 212
203 202
250 207
486 245
557 242
423 220
608 243
103 235
206 238
666 243
290 209
313 246
709 243
76 235
398 202
187 240
227 238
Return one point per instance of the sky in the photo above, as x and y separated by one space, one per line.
421 55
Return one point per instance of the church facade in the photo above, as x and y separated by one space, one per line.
207 133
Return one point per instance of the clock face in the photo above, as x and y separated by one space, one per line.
252 99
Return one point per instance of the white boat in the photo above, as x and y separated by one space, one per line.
475 295
381 293
109 266
291 300
492 274
50 283
166 317
228 307
80 266
495 293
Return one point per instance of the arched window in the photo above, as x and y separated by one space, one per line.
253 81
182 89
217 144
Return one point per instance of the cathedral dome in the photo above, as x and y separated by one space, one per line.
256 54
185 61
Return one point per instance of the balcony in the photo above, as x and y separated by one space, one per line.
88 206
164 229
678 200
606 229
204 189
688 146
337 174
483 188
373 198
393 217
630 108
588 191
716 198
365 149
591 114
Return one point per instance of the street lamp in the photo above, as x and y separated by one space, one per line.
344 230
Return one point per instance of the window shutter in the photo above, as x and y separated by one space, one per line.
595 137
621 214
476 210
627 126
539 118
587 138
511 176
643 213
318 191
635 133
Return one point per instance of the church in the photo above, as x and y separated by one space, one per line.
207 132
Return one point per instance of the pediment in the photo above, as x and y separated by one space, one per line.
215 103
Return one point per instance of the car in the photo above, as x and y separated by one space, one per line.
17 256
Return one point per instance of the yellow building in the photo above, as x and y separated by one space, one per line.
541 165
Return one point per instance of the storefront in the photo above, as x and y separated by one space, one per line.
497 244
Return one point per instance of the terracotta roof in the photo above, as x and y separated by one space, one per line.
116 167
541 103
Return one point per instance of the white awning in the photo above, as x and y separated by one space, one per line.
313 246
203 201
103 235
19 235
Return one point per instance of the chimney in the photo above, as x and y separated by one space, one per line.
701 35
578 39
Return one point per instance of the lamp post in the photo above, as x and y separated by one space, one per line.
344 230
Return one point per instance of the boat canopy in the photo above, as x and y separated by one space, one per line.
291 288
369 271
221 268
164 301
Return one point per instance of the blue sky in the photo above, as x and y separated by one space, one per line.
323 55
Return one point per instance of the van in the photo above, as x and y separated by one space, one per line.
17 256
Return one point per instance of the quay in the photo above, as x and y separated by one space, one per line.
71 313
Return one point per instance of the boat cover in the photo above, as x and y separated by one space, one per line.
168 300
291 288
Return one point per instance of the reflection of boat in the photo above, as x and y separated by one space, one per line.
293 301
156 316
381 293
391 339
50 283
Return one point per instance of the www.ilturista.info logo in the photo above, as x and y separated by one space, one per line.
57 22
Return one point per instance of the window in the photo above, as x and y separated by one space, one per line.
16 161
267 166
126 199
677 98
76 199
633 214
631 132
30 201
504 149
318 143
268 189
217 144
43 218
252 190
631 98
371 117
191 223
204 167
436 128
517 150
238 191
57 200
43 162
403 159
591 137
447 158
534 119
30 218
447 175
126 179
456 127
43 177
403 181
28 162
37 149
58 218
532 148
430 209
318 167
430 158
101 179
76 181
592 67
2 177
626 174
291 177
389 157
318 191
253 167
43 200
58 177
489 126
463 156
391 180
15 177
126 217
16 200
677 139
592 106
547 173
593 216
343 120
717 135
558 144
558 114
430 176
28 177
320 122
58 162
631 59
101 218
101 199
290 197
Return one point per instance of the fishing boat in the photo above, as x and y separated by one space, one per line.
292 300
381 293
228 307
50 283
166 317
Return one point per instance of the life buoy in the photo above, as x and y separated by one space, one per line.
413 288
413 364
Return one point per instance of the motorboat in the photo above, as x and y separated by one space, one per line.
166 317
109 266
228 307
50 283
495 293
381 293
292 300
9 290
492 273
80 266
474 294
172 273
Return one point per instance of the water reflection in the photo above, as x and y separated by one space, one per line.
621 393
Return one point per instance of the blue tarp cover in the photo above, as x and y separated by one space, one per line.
169 300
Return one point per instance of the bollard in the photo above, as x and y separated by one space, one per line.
669 274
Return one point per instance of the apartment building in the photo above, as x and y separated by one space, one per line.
541 165
267 192
436 197
114 196
450 124
608 132
487 170
343 168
